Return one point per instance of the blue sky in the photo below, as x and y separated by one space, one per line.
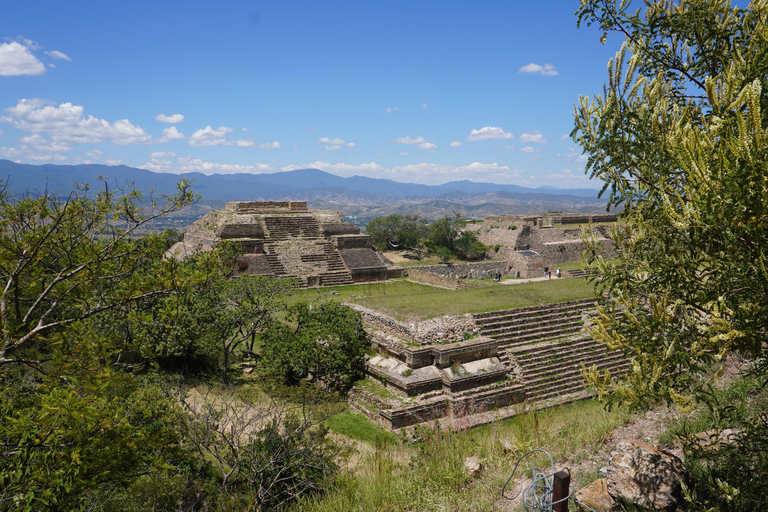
415 91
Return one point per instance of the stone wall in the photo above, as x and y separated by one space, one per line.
440 330
435 279
476 270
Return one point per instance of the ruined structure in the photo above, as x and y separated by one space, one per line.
284 238
534 244
477 368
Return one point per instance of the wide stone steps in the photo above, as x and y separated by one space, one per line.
568 382
483 318
281 228
533 336
551 369
542 369
514 317
572 317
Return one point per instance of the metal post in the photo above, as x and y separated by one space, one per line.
561 485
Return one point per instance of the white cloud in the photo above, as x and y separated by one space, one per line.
326 140
425 106
529 149
113 161
171 133
243 129
94 153
210 137
335 147
350 144
163 154
161 162
379 155
37 142
68 124
573 156
270 145
296 146
58 55
489 133
404 153
17 59
410 140
455 144
392 109
534 136
172 119
546 69
564 137
566 177
426 145
503 148
534 158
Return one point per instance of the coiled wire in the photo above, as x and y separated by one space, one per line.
537 496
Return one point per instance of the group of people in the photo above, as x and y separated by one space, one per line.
549 274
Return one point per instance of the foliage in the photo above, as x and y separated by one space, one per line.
63 260
328 343
218 314
680 138
397 232
448 238
267 452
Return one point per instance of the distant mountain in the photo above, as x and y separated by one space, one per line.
59 179
359 198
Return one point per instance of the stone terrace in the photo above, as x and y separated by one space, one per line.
464 366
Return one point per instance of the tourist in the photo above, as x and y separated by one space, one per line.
558 273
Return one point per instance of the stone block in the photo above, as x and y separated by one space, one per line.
645 476
595 496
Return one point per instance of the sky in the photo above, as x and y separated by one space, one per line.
415 91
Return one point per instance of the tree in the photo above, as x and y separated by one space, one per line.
680 139
265 450
447 237
68 430
397 232
328 343
63 260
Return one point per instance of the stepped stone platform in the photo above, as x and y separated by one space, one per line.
286 239
473 369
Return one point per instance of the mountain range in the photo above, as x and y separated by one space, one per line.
359 197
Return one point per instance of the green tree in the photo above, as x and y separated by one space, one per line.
397 232
447 237
680 139
70 430
328 343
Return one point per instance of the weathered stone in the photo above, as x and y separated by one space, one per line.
643 475
595 496
711 439
473 466
508 446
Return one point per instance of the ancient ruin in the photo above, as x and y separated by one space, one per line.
480 368
533 245
286 239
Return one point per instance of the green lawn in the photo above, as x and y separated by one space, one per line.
408 301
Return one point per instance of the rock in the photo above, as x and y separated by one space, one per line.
603 471
711 439
645 476
248 369
473 466
507 445
595 496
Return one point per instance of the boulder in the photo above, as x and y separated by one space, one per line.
595 496
473 466
641 474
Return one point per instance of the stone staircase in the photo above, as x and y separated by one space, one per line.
552 369
517 327
322 267
284 227
548 345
